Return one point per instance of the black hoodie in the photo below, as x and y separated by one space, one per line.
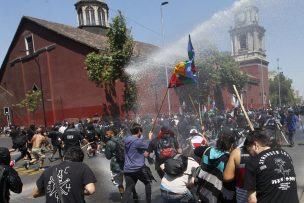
10 179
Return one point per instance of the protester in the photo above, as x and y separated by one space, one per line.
56 139
178 179
234 172
164 146
270 175
72 137
291 122
114 151
211 188
69 181
134 166
20 143
9 179
37 141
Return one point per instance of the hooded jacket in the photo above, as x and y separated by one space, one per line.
110 153
134 153
9 177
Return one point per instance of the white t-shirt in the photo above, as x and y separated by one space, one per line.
179 184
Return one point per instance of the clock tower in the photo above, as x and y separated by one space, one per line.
248 48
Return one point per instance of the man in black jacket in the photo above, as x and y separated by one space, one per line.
9 179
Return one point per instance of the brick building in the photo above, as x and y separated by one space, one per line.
50 57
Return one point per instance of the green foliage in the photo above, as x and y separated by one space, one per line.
218 70
286 90
108 66
31 101
130 94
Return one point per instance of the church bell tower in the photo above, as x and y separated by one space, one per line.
248 48
93 16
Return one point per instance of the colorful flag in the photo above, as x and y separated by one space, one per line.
191 52
184 71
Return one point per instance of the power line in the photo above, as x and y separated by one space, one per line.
139 24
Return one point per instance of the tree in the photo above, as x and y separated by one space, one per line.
218 70
31 101
107 67
288 97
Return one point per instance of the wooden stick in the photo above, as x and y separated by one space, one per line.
280 129
243 109
193 104
153 126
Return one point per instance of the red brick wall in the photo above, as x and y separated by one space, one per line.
68 92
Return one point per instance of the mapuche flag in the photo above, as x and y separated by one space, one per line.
184 72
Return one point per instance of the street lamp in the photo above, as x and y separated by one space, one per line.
163 43
279 81
262 77
36 59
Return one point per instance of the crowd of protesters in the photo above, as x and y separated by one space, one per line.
229 163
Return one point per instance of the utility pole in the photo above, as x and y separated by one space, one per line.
279 81
163 44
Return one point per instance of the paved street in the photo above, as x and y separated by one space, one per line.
106 192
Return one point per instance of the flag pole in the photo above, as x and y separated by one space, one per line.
243 109
153 126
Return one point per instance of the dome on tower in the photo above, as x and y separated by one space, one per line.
93 15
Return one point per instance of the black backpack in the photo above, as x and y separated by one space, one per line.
166 148
20 141
120 150
90 135
177 165
2 185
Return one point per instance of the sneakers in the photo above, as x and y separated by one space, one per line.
51 159
27 165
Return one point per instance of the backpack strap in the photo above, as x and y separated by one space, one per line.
58 189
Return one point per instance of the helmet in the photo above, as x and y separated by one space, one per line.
193 131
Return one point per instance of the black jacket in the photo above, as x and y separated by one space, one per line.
10 181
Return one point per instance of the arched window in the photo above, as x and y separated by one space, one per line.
99 16
90 17
80 17
243 41
103 18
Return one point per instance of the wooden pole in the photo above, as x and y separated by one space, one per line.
161 105
193 104
243 109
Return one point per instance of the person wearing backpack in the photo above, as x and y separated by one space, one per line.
9 178
20 143
164 146
114 151
211 187
178 179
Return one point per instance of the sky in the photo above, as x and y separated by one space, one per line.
205 20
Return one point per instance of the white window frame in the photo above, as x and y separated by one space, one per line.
26 44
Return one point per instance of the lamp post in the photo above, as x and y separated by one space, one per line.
262 80
41 87
279 81
163 43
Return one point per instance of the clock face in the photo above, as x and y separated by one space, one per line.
241 18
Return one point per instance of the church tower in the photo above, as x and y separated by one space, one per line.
93 16
248 48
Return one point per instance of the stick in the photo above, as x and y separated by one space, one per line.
159 109
87 144
193 104
282 133
243 109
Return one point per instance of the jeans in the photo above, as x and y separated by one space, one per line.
169 197
291 137
131 180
